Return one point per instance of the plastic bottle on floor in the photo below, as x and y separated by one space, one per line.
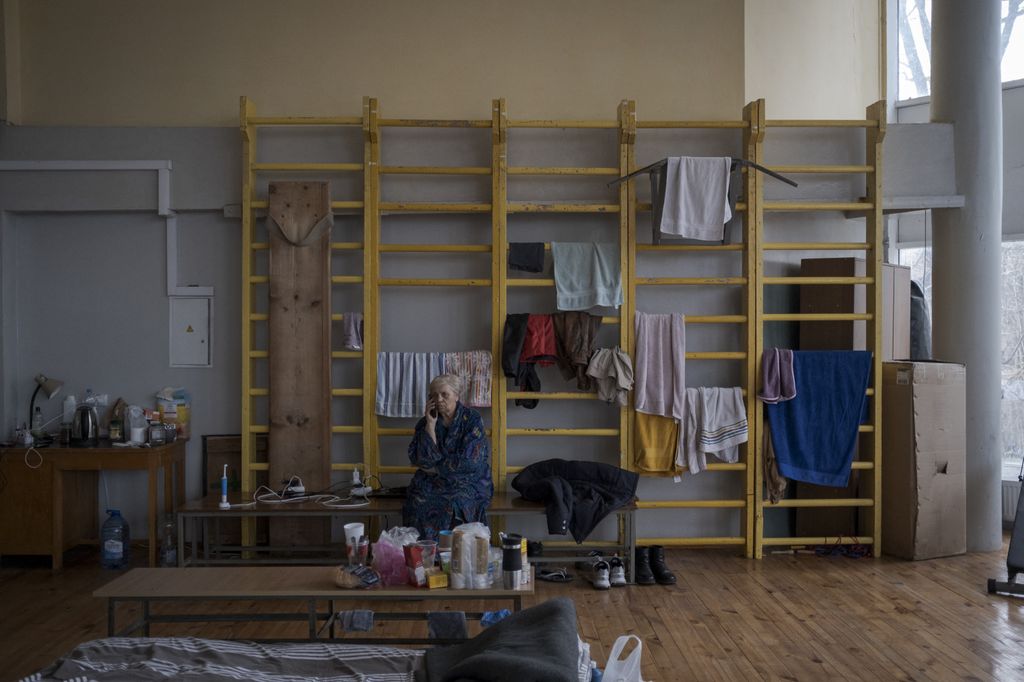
168 544
115 541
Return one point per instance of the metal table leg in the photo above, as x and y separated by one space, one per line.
111 616
181 541
312 618
145 618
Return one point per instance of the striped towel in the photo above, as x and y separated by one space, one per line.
474 368
403 380
716 423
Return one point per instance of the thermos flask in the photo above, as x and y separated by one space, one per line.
511 561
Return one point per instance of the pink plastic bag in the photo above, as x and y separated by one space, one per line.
388 556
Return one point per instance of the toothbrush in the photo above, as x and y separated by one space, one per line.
224 504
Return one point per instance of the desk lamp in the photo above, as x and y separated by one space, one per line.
50 387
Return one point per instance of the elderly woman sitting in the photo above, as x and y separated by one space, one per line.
453 482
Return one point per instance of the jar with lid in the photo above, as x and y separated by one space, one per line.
116 430
157 434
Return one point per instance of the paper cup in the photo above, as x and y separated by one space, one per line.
353 531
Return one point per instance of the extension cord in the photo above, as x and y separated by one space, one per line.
362 491
295 491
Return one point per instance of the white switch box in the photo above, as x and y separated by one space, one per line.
191 338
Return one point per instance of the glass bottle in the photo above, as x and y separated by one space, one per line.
168 543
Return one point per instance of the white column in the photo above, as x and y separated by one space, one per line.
966 90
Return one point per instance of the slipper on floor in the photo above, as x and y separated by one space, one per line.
558 575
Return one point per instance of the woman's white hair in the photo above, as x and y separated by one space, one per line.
452 381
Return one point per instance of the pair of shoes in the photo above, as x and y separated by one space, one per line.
617 572
600 577
556 575
589 560
650 567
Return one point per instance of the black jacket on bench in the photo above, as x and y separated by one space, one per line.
578 495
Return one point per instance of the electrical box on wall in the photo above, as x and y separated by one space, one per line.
191 337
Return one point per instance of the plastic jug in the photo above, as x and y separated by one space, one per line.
115 541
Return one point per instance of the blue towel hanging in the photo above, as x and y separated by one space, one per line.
815 434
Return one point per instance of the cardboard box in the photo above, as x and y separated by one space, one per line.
924 444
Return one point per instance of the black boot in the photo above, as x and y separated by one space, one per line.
642 569
662 575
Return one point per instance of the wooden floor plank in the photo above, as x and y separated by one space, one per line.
784 618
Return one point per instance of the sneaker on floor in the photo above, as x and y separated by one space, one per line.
587 562
616 572
600 578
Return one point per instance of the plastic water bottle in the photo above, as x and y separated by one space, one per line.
115 541
168 544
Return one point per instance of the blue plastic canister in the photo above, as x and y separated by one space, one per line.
115 541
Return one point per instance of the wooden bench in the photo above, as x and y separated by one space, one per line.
310 584
388 510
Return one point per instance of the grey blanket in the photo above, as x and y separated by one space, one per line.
538 644
131 659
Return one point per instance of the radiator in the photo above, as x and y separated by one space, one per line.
1011 493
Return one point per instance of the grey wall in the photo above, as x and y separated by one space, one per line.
96 315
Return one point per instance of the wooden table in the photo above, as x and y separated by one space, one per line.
503 504
311 584
51 507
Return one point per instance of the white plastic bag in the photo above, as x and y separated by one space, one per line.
624 669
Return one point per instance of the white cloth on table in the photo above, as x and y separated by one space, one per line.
613 371
586 275
716 423
696 202
403 380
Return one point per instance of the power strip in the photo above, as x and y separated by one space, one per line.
295 491
362 491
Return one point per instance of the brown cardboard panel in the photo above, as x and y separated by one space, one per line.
924 460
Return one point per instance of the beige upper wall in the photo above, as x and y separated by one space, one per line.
124 62
812 58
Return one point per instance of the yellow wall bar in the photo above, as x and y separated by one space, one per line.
691 504
693 542
435 248
814 317
346 429
259 391
817 205
875 229
836 502
349 353
562 170
717 355
646 206
313 167
862 465
531 282
401 282
342 392
689 247
433 207
346 279
563 207
691 124
663 281
305 120
561 123
346 246
716 319
433 123
262 203
339 466
562 432
817 246
435 170
258 354
247 112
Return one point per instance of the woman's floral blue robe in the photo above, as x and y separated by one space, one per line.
453 484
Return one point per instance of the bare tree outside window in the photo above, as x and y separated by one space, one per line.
915 45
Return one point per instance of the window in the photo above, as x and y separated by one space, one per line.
915 41
1012 342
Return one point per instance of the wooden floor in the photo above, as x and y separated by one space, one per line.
786 617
